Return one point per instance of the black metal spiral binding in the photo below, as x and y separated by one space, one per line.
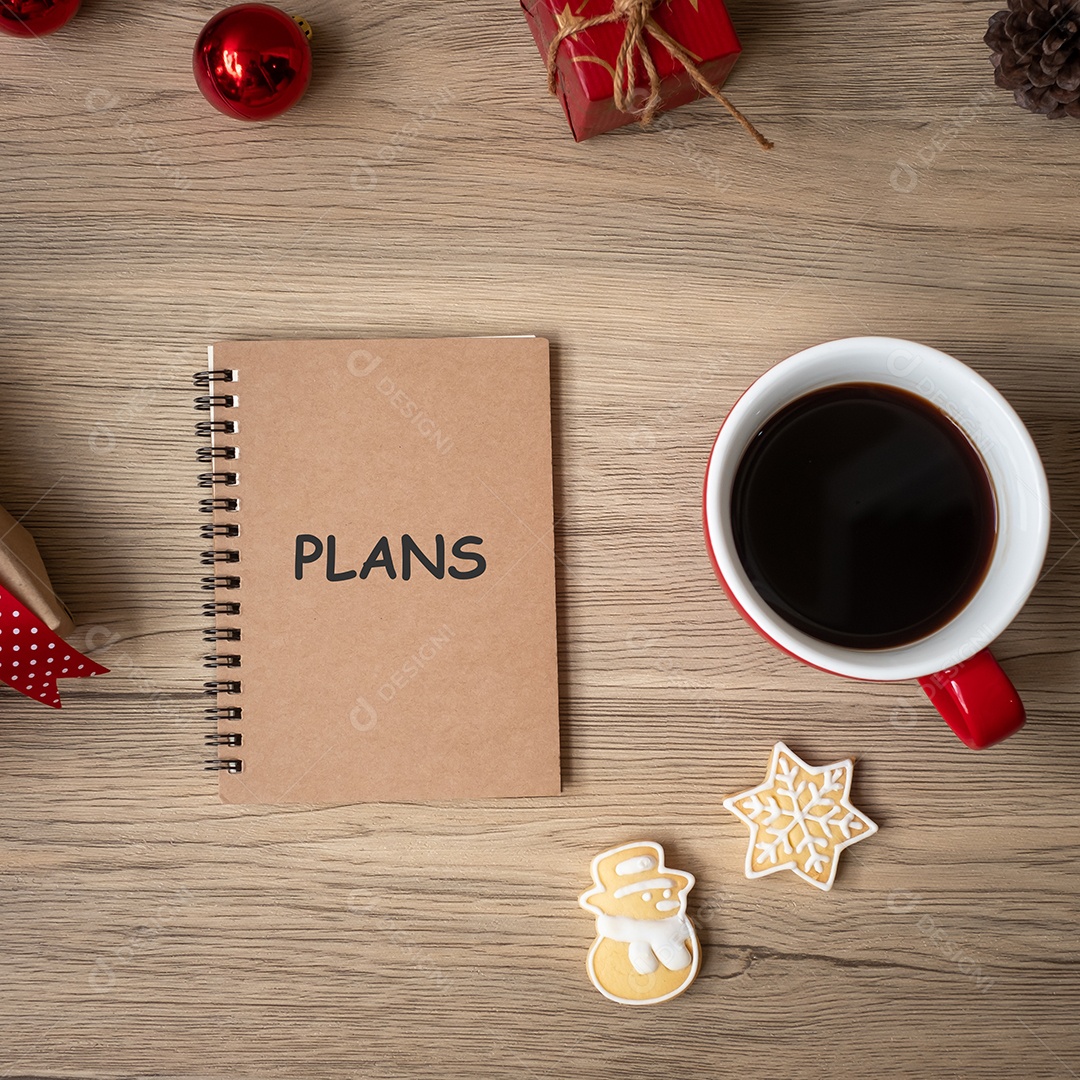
205 428
220 660
225 713
227 581
211 529
207 453
209 506
207 402
231 765
205 378
210 454
220 607
209 558
212 479
225 738
221 686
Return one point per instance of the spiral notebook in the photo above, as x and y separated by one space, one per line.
383 575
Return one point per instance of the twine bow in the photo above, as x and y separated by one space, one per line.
637 14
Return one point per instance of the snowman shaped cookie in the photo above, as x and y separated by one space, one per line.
646 949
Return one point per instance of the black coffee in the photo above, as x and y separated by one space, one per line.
863 516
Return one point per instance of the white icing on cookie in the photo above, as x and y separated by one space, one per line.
663 939
636 865
642 886
642 957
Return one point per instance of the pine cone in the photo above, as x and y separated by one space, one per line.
1036 47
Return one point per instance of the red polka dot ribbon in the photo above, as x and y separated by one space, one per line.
33 657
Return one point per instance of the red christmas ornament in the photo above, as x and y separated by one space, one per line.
253 61
32 18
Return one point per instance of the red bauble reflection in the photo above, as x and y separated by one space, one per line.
252 61
32 18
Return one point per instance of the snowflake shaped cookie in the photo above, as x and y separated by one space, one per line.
800 818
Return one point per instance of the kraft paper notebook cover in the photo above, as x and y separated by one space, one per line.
383 570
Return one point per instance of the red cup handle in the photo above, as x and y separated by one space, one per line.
976 700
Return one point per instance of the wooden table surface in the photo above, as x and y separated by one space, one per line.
428 186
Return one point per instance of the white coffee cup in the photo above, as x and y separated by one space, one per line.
952 664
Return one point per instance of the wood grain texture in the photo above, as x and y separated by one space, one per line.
428 185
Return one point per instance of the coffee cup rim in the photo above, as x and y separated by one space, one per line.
990 422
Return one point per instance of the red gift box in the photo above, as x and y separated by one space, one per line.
586 60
